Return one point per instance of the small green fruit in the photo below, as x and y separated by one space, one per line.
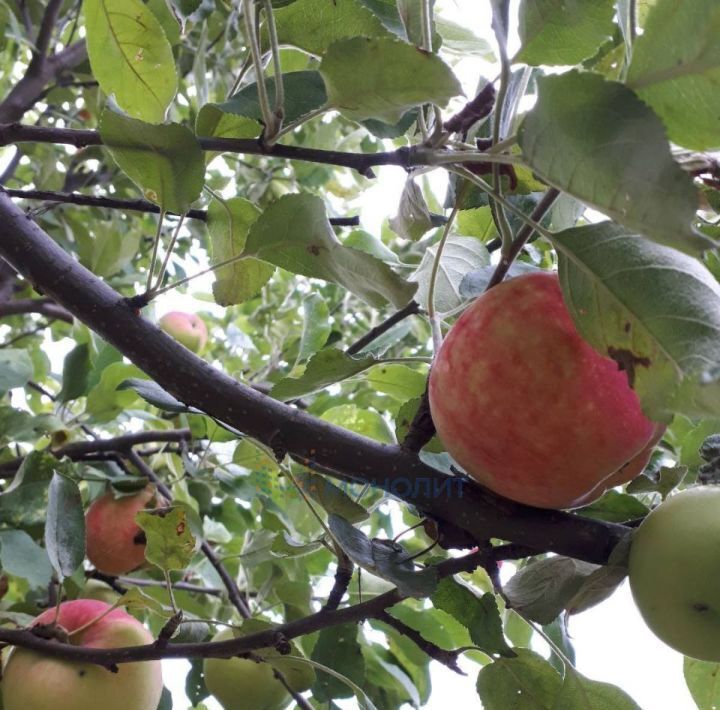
244 684
675 572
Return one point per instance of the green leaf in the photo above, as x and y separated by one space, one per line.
313 25
337 647
76 369
304 92
332 498
134 599
476 222
398 381
24 501
527 682
21 556
130 56
16 369
413 217
316 326
228 223
383 558
580 692
597 141
596 588
654 310
294 234
106 400
18 425
614 507
460 256
703 682
479 615
152 393
663 482
170 544
560 32
365 422
324 368
675 69
64 526
541 590
383 78
165 162
213 122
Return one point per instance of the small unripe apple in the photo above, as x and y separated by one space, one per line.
674 564
527 407
95 589
115 542
245 684
187 328
33 681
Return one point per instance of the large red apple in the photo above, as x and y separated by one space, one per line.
32 681
115 542
187 328
528 408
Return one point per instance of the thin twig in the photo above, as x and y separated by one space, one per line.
411 309
447 658
499 23
75 198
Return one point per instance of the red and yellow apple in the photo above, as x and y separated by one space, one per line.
115 542
674 560
246 684
187 328
33 681
528 408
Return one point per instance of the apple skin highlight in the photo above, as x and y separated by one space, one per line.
528 408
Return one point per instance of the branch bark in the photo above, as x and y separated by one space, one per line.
43 306
315 443
25 93
74 198
242 645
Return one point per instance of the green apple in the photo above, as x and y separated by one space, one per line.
675 572
245 684
95 589
187 328
32 681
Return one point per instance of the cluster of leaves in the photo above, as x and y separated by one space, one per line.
164 84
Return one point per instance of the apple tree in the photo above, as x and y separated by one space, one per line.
260 481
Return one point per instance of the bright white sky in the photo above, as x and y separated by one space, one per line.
611 641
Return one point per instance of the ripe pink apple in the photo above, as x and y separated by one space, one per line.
187 328
32 681
528 408
115 542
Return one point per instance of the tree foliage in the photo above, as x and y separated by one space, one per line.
215 155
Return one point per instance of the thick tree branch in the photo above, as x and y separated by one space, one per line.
241 645
12 133
74 198
315 443
26 92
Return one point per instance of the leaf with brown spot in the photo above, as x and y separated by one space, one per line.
652 309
